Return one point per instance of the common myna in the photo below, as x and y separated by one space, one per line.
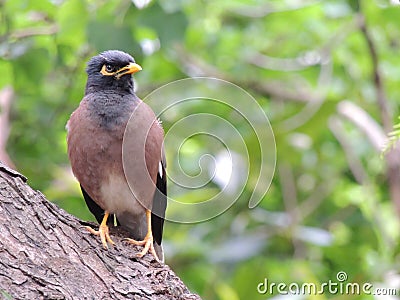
95 148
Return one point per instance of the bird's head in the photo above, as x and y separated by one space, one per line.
111 70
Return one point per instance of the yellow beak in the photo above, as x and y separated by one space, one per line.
129 69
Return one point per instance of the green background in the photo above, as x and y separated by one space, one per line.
328 208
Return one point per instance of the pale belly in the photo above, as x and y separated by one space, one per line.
117 196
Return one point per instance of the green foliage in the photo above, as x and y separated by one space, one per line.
394 136
299 59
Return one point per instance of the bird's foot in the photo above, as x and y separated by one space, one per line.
147 242
104 234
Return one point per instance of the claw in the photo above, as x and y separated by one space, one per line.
148 246
103 232
147 242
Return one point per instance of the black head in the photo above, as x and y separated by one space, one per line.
111 70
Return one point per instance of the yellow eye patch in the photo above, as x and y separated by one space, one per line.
105 72
129 69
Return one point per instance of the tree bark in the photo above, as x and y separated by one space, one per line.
45 253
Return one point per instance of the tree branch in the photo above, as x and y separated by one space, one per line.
288 91
45 253
262 10
28 32
355 165
364 122
393 156
377 78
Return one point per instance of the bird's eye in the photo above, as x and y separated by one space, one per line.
109 68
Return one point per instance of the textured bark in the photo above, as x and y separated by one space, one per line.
45 253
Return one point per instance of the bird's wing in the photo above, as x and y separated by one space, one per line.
159 202
95 209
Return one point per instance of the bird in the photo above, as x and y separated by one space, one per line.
109 114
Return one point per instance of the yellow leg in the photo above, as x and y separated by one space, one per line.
147 241
103 231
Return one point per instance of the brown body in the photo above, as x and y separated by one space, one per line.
95 153
115 148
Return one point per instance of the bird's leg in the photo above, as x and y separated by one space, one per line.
103 231
147 242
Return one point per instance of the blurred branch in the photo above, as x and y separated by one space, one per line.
6 98
259 11
289 190
355 165
289 91
284 64
377 78
309 205
281 91
364 122
195 66
28 32
290 199
393 156
309 58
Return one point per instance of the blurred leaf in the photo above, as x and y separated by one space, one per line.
170 27
72 18
105 36
31 69
354 4
225 292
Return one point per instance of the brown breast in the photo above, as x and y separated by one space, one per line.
95 153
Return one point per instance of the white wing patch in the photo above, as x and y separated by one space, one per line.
159 123
160 169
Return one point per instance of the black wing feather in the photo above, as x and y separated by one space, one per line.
95 209
159 206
